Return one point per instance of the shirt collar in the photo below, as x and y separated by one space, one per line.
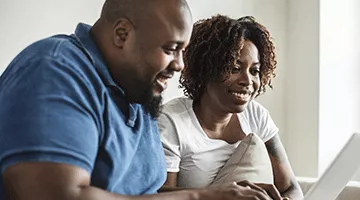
82 34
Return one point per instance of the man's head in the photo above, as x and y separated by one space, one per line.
142 42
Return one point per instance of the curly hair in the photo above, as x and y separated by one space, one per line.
214 48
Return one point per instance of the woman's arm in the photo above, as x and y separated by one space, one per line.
170 183
285 180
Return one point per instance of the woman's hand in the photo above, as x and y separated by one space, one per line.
268 189
233 191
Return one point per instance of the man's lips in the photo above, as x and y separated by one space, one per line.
162 80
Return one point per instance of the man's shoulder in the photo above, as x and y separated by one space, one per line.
58 52
61 47
57 48
49 62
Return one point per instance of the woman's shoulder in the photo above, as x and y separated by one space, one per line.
177 106
255 108
256 119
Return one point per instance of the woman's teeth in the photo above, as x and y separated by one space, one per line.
241 95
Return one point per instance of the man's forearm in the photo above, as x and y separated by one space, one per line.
92 193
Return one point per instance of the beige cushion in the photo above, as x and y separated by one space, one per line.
250 161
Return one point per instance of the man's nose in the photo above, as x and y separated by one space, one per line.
178 63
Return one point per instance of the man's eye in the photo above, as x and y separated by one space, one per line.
174 50
170 49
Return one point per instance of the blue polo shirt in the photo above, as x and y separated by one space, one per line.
59 104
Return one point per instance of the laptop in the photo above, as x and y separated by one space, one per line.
339 173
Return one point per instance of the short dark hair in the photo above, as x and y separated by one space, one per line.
214 48
115 9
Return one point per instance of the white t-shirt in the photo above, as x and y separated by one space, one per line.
190 152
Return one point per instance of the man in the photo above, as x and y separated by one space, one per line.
78 112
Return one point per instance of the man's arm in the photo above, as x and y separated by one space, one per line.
44 181
285 180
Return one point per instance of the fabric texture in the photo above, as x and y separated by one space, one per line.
250 162
191 153
59 104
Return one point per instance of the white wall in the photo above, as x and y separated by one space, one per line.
302 86
23 22
323 77
339 76
357 52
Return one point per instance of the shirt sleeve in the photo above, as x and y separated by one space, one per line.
47 115
267 128
170 142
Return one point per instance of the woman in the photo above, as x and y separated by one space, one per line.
227 64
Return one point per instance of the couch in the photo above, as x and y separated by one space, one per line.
350 192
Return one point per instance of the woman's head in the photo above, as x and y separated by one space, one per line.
214 52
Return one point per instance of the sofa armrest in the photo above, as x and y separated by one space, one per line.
350 192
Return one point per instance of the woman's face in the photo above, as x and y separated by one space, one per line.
241 86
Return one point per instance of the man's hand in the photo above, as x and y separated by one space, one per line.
268 189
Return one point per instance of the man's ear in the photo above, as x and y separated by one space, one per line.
121 30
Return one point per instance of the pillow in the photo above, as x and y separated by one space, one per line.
250 162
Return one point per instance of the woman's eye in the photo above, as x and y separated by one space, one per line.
255 72
235 70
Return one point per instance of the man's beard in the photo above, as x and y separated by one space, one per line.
152 103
